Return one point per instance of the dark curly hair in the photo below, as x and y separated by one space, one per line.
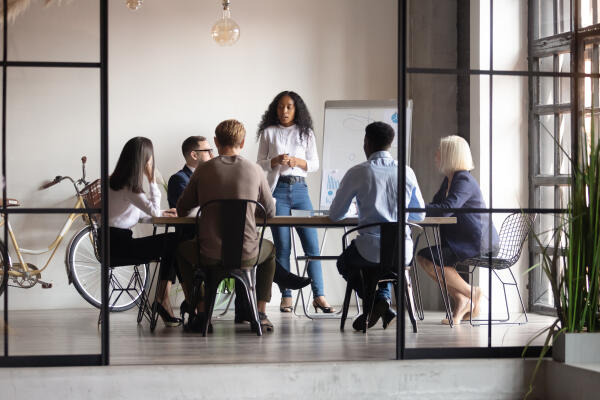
301 117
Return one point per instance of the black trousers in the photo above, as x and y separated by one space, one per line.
146 249
348 264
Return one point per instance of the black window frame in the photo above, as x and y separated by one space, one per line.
7 360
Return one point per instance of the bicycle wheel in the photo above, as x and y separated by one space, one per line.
124 288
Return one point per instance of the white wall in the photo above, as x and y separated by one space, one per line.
509 123
168 80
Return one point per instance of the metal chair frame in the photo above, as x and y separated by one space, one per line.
232 217
513 233
370 277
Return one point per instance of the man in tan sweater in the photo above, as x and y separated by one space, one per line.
228 176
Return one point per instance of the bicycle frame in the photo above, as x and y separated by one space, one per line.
53 247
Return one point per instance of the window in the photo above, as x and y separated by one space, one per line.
559 44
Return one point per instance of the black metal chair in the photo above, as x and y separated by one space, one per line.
513 232
135 287
232 221
384 272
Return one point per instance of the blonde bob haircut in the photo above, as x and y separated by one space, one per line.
455 155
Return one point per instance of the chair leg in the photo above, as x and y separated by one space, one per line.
471 270
417 291
209 299
231 296
519 294
346 306
249 279
410 300
444 295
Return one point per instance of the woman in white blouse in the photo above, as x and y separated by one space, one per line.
127 204
287 151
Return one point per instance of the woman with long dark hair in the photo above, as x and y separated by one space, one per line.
287 152
127 204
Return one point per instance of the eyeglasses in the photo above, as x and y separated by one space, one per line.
201 150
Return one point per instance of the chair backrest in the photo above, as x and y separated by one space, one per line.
231 226
388 245
513 233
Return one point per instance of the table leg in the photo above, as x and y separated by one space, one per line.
443 288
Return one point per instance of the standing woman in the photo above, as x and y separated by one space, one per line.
287 151
469 237
127 204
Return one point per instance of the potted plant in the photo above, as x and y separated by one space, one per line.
572 265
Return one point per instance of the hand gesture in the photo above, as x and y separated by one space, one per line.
149 170
171 212
282 159
292 162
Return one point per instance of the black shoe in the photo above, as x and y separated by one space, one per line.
164 315
326 310
388 317
286 279
184 309
196 323
359 323
381 309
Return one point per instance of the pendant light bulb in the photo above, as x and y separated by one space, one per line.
225 31
134 5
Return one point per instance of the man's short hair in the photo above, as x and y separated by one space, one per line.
230 133
380 135
190 144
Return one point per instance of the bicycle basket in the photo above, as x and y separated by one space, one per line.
92 197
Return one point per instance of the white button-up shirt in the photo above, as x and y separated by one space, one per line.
126 208
374 183
276 140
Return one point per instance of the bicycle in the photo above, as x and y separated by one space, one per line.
82 258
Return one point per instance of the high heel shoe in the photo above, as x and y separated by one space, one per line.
165 316
326 310
284 306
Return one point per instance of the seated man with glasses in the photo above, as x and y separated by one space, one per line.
196 150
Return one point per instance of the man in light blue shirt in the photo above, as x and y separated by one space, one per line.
374 184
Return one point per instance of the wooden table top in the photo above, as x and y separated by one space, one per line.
315 221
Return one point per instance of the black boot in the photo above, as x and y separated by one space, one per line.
288 280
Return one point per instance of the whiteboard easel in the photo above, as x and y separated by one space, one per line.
343 135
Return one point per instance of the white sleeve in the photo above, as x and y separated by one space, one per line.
312 156
263 158
148 204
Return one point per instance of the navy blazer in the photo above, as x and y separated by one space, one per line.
469 237
177 184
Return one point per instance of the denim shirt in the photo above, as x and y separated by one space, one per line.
374 184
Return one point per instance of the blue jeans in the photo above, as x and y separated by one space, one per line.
295 197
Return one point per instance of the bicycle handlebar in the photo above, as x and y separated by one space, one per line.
59 178
51 183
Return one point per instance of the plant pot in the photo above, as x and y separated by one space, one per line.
574 348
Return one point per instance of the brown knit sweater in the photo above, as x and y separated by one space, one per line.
226 177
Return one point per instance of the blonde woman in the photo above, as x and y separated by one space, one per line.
469 237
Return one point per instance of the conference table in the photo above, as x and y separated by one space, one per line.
323 221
